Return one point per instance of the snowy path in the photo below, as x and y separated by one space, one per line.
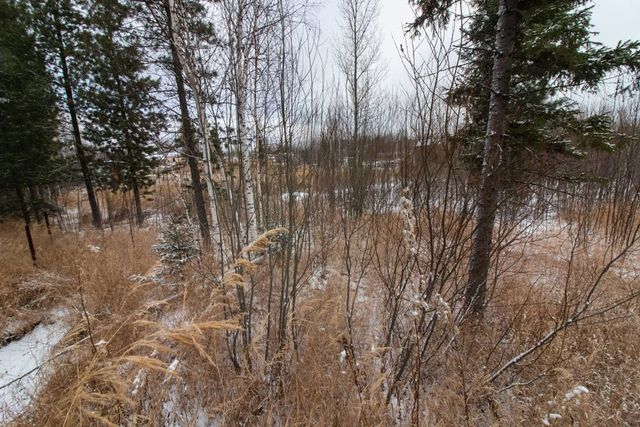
19 358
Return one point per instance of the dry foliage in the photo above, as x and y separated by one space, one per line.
142 349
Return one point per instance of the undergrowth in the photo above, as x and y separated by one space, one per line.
143 349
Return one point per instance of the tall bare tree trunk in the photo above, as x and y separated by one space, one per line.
208 161
193 83
77 138
259 155
506 33
240 89
359 59
249 195
187 133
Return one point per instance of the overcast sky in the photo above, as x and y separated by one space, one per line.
614 20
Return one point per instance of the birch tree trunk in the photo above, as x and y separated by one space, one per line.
506 33
202 120
245 166
259 136
240 93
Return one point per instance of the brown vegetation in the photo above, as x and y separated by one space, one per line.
118 362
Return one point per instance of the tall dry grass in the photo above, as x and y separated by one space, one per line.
143 349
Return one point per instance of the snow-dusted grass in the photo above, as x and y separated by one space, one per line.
161 351
40 303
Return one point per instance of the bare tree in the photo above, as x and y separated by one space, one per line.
359 61
161 15
238 16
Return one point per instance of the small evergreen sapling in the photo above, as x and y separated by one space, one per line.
177 244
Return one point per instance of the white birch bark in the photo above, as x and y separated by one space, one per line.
240 88
249 195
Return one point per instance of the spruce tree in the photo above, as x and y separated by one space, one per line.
28 113
123 118
554 56
524 59
59 25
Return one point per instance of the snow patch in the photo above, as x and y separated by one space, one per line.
297 195
549 418
20 367
173 365
577 391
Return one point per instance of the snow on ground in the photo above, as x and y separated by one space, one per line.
318 279
297 196
22 358
577 391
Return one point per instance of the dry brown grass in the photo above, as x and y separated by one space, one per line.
26 291
86 275
116 370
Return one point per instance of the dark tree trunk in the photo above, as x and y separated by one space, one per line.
138 202
27 222
506 33
77 138
188 137
54 196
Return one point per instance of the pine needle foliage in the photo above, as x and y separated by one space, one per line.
554 59
177 244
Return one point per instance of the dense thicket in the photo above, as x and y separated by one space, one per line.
123 119
28 114
430 255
